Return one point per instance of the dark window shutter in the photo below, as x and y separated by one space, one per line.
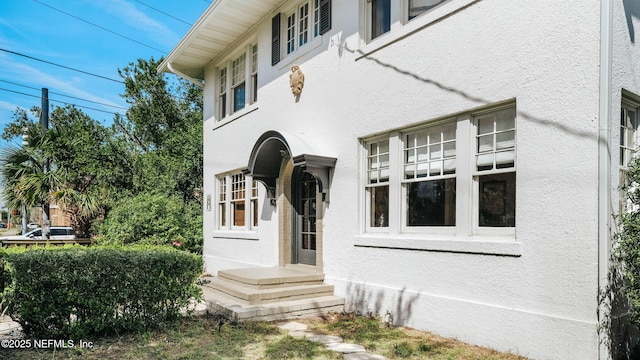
275 39
325 16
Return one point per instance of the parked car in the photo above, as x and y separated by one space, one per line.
33 226
3 226
57 233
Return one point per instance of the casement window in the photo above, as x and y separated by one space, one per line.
629 141
237 202
308 19
427 186
238 80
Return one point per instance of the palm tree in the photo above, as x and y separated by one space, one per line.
25 179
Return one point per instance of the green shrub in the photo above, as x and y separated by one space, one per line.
72 292
153 219
627 245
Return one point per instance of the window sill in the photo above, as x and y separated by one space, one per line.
413 26
298 53
236 235
477 245
236 115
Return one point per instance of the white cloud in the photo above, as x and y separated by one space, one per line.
135 18
24 74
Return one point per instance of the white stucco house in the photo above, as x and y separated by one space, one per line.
454 163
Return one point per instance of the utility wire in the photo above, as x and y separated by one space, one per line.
62 66
63 102
101 27
69 96
164 13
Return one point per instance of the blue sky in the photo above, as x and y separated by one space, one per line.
36 29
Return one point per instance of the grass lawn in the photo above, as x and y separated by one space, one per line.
204 338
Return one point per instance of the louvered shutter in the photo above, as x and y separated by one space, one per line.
325 16
275 39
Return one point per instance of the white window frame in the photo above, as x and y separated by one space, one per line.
292 31
369 185
405 182
227 194
629 143
405 10
466 175
246 73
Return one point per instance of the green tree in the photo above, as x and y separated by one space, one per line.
164 128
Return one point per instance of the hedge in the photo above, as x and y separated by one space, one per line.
74 292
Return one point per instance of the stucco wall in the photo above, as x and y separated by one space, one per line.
545 55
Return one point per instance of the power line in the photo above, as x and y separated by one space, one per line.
62 66
164 13
62 102
69 96
101 27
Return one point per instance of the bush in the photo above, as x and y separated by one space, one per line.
72 292
627 246
153 219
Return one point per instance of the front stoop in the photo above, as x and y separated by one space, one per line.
274 293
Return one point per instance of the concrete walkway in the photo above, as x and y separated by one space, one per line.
9 329
333 343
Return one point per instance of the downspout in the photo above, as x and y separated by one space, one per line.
185 76
604 163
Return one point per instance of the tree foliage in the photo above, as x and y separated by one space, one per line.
153 154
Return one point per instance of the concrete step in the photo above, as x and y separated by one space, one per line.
230 307
251 295
272 277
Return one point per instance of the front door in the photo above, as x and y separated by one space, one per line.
305 191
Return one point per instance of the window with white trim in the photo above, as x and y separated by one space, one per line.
416 8
237 202
306 20
629 141
495 169
429 181
232 80
379 15
378 183
427 184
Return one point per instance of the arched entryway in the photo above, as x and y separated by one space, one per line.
298 183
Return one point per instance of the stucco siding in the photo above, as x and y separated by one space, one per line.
539 300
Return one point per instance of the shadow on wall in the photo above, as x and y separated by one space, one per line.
622 336
395 309
631 10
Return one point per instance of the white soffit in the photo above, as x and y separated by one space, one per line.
222 23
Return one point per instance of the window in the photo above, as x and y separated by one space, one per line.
310 18
378 183
233 80
419 7
429 176
239 194
629 121
223 92
254 73
428 185
495 168
238 82
380 17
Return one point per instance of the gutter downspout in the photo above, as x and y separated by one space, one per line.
185 76
604 163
